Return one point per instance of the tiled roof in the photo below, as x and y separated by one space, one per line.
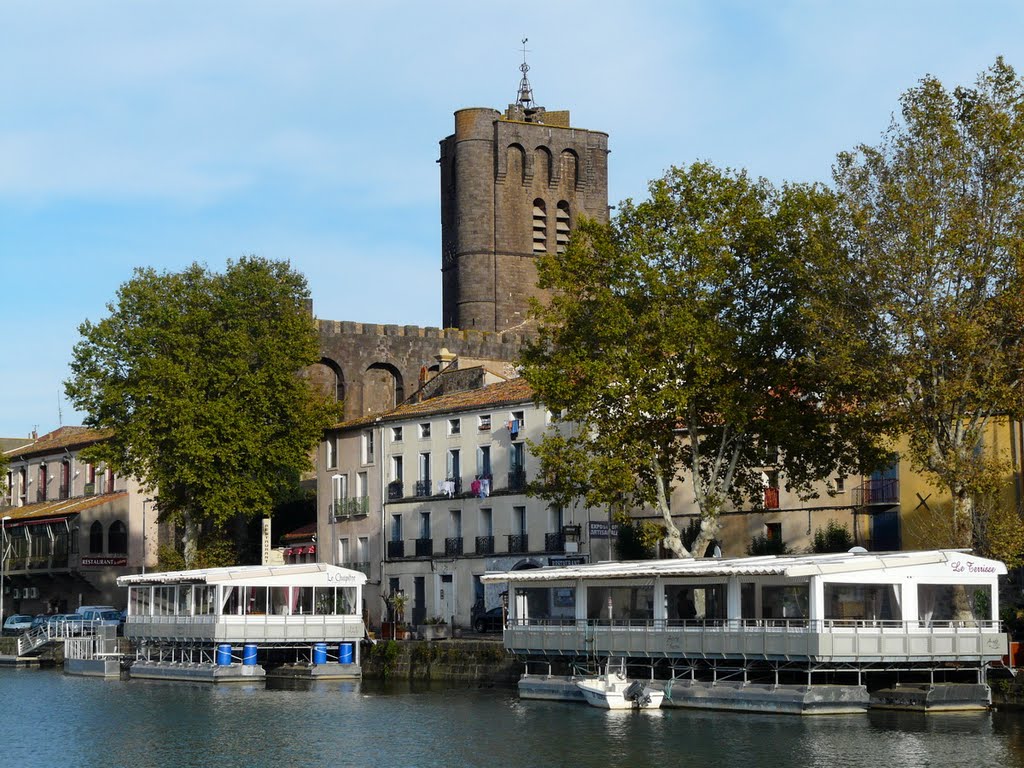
59 508
300 534
59 439
503 393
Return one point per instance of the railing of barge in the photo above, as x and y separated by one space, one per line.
848 641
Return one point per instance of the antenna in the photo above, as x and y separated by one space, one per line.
60 415
525 91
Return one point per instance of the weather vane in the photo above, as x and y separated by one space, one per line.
525 91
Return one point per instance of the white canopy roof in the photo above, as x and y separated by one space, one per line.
301 575
768 565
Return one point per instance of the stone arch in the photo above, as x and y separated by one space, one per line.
569 170
327 377
542 164
383 388
516 163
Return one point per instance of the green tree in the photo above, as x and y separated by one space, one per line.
936 215
197 374
675 348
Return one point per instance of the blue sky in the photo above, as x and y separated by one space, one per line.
143 133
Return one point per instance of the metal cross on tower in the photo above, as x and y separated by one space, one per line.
525 91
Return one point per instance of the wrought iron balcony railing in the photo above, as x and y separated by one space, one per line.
518 543
396 549
424 547
517 480
351 507
423 488
554 542
453 546
485 545
396 490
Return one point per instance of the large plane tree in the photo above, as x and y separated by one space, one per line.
197 374
677 349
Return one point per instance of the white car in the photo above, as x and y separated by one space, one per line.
17 623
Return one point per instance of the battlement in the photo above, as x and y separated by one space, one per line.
351 328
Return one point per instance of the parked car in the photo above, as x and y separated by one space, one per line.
490 621
17 623
61 624
108 617
40 620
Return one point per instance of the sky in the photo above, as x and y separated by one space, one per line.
145 133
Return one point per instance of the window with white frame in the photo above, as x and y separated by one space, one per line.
453 466
396 527
484 422
343 551
519 520
339 493
397 468
424 525
368 447
363 549
362 486
454 426
425 467
483 461
455 523
396 434
425 429
486 522
330 453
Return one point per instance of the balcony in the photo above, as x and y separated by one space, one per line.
64 493
423 488
485 545
518 543
396 490
363 568
456 485
453 546
354 507
396 549
424 547
771 498
517 480
877 491
554 542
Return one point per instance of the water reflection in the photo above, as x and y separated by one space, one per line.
342 723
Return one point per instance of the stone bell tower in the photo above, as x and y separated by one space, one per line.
512 187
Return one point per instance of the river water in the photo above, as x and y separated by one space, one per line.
53 720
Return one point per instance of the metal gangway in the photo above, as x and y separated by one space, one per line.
36 640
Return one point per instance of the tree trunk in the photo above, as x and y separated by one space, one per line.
963 538
673 539
190 541
709 527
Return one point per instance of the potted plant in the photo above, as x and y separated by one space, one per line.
396 603
434 628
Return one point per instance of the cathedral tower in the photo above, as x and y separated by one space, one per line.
512 187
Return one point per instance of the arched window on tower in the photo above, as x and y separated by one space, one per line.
562 226
540 226
96 538
570 169
117 538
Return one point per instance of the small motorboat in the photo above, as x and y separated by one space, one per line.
613 690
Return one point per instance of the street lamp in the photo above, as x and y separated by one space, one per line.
144 503
3 562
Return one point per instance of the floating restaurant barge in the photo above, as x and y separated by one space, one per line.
236 624
803 634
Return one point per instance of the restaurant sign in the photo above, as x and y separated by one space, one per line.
103 562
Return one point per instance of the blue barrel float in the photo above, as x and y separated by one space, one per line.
224 655
249 655
320 653
345 653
